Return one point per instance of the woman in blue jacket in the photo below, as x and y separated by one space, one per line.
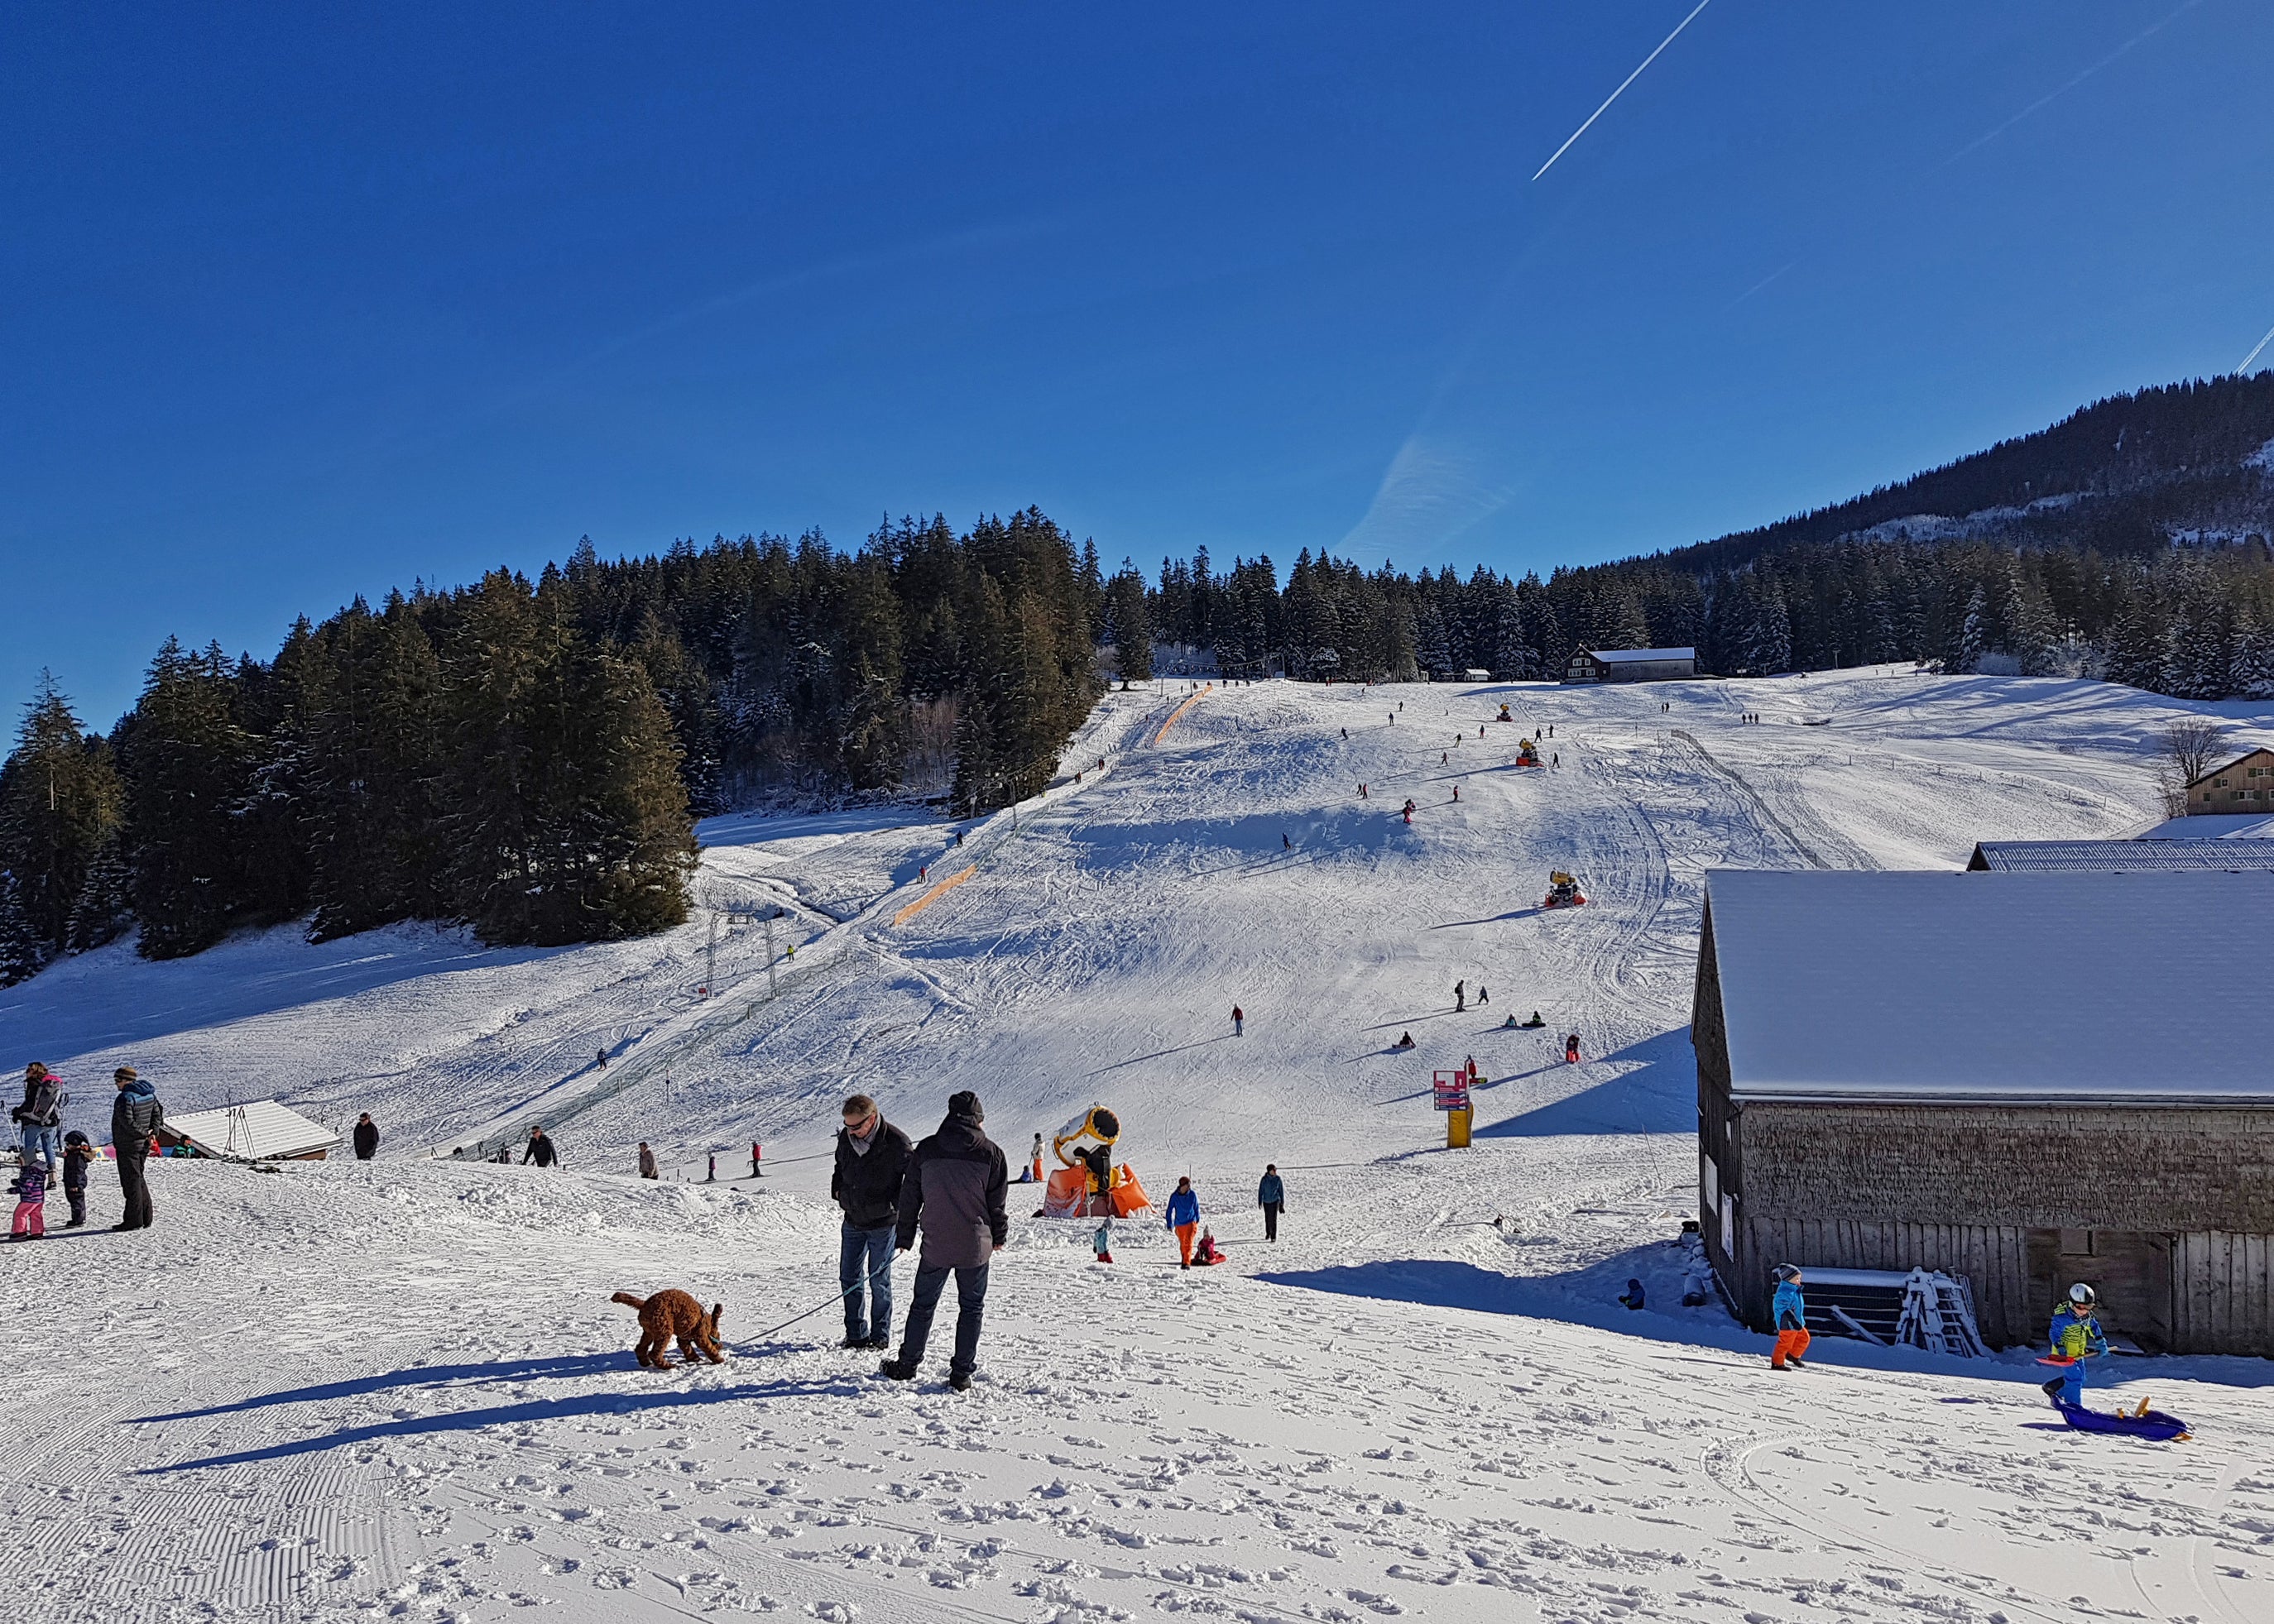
1271 1196
1185 1217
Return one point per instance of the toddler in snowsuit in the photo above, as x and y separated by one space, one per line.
31 1220
2077 1335
1103 1240
80 1155
1790 1311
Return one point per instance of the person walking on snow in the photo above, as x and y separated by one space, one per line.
1484 994
541 1150
31 1220
1238 1021
1271 1196
136 1116
40 1115
1102 1240
1184 1217
954 1192
1460 996
366 1138
2076 1336
647 1168
1790 1310
1034 1162
865 1182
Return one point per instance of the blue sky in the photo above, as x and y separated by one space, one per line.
300 304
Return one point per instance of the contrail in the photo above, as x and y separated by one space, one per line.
2253 356
1622 90
1985 141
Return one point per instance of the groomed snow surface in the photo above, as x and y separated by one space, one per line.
398 1389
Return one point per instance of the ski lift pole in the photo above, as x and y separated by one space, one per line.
773 988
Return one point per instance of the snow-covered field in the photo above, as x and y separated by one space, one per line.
399 1389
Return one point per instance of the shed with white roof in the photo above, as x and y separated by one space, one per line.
2025 1078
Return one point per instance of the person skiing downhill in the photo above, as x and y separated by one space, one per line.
1790 1311
2076 1336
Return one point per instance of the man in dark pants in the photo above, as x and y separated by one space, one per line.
135 1118
366 1138
1271 1196
872 1159
955 1187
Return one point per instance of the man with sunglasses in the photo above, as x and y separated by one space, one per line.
872 1158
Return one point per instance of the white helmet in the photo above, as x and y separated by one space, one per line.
2083 1295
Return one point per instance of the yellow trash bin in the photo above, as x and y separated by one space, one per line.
1456 1128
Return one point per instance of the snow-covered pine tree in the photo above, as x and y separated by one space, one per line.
22 952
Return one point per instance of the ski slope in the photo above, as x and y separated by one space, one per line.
399 1389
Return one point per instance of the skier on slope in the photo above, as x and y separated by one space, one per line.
2076 1336
1790 1311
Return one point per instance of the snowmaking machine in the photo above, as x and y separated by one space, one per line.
1089 1185
1527 753
1563 892
1503 716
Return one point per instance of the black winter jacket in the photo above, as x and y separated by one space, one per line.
135 1118
868 1187
956 1186
541 1151
367 1141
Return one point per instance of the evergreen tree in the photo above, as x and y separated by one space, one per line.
187 767
22 952
1130 620
60 803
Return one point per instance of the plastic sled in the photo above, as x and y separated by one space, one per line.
2152 1424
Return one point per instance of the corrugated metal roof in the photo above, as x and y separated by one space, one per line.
2095 986
259 1130
1618 656
2212 826
2123 856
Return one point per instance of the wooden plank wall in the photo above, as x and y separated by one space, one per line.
2223 1293
1994 1259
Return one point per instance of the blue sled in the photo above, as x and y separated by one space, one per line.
2155 1426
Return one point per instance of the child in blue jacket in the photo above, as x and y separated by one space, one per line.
1790 1311
2077 1335
1184 1217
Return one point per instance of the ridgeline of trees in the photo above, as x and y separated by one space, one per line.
530 758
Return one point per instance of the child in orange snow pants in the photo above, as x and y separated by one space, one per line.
1790 1345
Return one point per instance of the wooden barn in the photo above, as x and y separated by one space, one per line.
2242 785
1631 664
2022 1079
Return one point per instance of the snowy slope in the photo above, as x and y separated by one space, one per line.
400 1390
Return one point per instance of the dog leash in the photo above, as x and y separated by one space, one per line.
809 1313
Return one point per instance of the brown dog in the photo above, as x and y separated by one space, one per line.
670 1316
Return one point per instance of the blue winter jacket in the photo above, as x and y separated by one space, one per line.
1184 1208
1271 1192
1790 1310
2092 1344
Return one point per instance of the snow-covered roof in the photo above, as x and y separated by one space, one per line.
261 1129
1620 657
1942 986
2212 826
2122 856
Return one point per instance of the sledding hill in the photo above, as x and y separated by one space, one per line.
1107 932
338 1390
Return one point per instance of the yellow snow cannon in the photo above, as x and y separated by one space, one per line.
1563 892
1527 753
1088 1184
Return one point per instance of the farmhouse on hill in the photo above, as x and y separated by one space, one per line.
2023 1080
2244 785
1631 664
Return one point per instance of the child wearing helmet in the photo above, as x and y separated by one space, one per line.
2076 1336
1790 1311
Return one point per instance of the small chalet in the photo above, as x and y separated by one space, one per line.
2019 1079
1631 664
2244 785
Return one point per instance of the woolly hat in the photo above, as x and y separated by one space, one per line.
126 1075
965 1104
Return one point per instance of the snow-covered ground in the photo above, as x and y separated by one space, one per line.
400 1390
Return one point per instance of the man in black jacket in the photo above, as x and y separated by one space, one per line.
136 1116
872 1157
541 1149
955 1188
366 1138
